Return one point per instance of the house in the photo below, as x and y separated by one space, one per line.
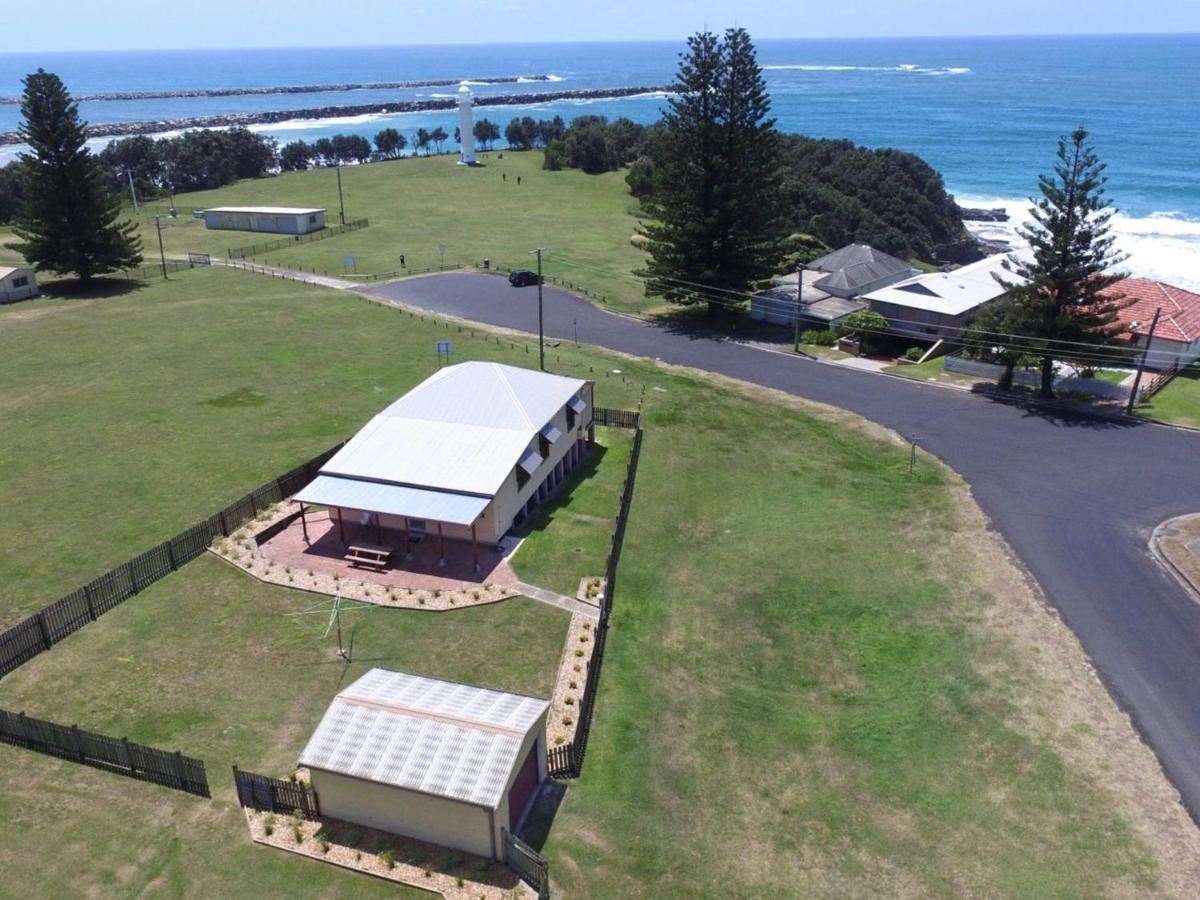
465 455
940 304
831 285
274 219
435 760
1177 334
17 283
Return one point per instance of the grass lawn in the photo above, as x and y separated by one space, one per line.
569 538
1178 402
823 677
584 221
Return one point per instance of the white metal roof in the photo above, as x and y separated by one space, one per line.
439 737
949 293
394 499
265 210
462 429
5 271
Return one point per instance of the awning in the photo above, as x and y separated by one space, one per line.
394 499
577 405
551 433
530 461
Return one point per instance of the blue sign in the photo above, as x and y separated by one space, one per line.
443 347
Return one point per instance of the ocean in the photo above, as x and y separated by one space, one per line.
985 112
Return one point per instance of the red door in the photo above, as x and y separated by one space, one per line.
522 788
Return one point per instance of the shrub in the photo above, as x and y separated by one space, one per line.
567 720
297 833
388 858
578 652
459 881
570 701
914 353
269 824
820 337
583 638
560 739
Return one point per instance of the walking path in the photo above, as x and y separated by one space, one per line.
570 604
328 281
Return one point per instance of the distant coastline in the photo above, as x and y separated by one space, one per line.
113 96
228 120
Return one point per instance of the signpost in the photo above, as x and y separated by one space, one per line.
442 253
443 349
350 262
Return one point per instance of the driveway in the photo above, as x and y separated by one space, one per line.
1075 497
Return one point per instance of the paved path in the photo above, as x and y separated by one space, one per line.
570 604
1076 497
291 274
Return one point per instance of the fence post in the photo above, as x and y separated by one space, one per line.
128 756
178 759
77 742
171 556
45 633
224 524
87 597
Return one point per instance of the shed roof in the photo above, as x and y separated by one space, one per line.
424 734
1180 320
463 429
266 210
949 293
5 271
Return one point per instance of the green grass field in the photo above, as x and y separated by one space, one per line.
584 221
808 688
1178 402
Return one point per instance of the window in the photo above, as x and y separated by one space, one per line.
312 220
570 419
522 478
416 524
20 282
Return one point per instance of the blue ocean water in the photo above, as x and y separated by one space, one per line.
985 112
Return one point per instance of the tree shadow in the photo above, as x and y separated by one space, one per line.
96 289
1063 413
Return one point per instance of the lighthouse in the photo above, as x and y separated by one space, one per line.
465 134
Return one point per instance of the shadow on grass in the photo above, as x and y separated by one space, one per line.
96 289
541 517
536 828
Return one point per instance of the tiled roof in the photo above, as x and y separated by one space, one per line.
1180 319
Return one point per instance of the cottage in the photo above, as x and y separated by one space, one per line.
273 219
435 760
1177 335
465 455
858 269
940 304
17 283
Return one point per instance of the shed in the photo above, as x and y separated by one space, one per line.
17 283
435 760
273 219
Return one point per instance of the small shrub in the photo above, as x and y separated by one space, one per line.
570 701
475 594
572 685
298 833
459 881
292 778
437 593
388 858
819 337
567 720
578 652
583 638
269 824
421 600
358 856
428 872
560 739
578 668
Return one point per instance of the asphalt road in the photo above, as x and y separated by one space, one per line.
1075 497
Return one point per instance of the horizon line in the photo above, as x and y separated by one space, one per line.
544 43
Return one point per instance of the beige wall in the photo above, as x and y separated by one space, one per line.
438 820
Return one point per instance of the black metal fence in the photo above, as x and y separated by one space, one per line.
566 760
267 246
275 795
172 770
44 629
526 862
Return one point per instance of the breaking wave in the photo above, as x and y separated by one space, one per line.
903 68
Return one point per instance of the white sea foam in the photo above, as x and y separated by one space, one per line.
1164 245
903 69
307 124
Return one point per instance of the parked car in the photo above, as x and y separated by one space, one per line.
522 278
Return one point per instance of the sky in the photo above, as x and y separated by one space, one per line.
63 25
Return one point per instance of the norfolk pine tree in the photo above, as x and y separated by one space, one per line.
69 218
1057 301
716 207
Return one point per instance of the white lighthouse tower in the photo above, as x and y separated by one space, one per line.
465 125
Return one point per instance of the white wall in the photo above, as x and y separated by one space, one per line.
10 292
439 820
1165 351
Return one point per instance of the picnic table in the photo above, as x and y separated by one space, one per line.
369 554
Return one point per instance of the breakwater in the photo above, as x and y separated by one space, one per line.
291 89
124 129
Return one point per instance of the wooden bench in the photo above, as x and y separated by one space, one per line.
375 555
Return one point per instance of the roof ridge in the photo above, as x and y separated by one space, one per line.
513 394
445 718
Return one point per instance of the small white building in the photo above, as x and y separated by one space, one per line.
273 219
17 283
466 127
434 760
464 455
941 304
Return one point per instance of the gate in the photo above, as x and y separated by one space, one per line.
199 259
524 860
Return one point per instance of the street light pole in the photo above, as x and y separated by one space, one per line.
799 300
537 251
341 203
161 255
1137 379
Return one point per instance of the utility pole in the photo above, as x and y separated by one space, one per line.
537 251
161 255
1137 379
341 204
132 192
799 300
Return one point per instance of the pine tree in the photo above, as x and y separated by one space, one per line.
716 207
1060 297
69 218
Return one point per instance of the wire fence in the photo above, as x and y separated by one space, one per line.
566 760
291 240
567 283
173 770
44 629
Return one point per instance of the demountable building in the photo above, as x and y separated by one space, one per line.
17 283
464 455
434 760
272 219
